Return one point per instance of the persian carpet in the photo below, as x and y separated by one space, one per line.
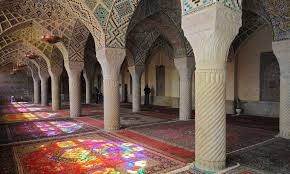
34 131
272 156
91 111
266 123
245 170
7 165
3 134
135 119
84 112
159 115
181 134
99 153
22 117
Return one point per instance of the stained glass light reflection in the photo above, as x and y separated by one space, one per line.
87 156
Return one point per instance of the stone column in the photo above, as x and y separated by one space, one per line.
136 73
185 68
282 52
111 60
36 87
55 91
74 70
44 91
210 33
88 89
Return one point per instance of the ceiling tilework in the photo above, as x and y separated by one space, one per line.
279 14
190 6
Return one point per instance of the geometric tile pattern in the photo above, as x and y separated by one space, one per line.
195 5
84 11
279 14
118 22
140 45
33 42
78 42
90 58
50 14
9 19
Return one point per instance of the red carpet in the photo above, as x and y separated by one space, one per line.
181 154
93 122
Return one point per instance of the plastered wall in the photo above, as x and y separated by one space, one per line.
249 64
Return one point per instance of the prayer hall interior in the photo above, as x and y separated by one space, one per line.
144 86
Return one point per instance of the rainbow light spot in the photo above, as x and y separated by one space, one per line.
87 156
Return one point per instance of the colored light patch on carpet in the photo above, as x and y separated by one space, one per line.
96 154
21 117
24 109
16 133
45 129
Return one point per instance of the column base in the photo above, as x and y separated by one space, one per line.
74 115
284 134
112 129
136 110
184 118
213 166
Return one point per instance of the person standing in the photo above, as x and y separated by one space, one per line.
147 92
97 95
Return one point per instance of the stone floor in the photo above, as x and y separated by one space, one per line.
35 140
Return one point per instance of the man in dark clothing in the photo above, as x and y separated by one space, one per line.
97 95
147 92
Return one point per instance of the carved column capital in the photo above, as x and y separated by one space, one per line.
136 70
111 60
55 71
185 67
74 67
210 33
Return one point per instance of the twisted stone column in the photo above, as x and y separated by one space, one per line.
36 87
136 73
44 91
282 52
111 60
74 70
55 91
211 41
185 68
75 93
